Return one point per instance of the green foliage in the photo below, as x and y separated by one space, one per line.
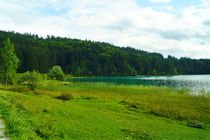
56 73
31 79
103 111
167 102
8 63
65 96
89 58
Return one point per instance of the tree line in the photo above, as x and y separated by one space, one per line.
90 58
9 65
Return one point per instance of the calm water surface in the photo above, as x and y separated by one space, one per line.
191 82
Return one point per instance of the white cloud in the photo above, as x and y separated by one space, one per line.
170 8
165 1
120 22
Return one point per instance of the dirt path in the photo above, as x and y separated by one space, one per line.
2 128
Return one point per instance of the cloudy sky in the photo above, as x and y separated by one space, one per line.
171 27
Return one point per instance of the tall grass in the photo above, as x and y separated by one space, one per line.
100 109
160 101
167 102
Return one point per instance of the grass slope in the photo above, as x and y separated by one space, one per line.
103 111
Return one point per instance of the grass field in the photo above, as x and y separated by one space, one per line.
103 111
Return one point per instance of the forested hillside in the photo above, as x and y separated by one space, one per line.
88 58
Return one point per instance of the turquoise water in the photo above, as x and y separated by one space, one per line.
191 82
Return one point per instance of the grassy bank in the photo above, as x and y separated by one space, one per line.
102 111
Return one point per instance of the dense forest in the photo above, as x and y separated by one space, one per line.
89 58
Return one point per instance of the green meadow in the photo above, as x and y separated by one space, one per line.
97 111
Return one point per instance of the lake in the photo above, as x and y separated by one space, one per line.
191 82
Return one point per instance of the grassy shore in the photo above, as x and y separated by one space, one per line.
103 111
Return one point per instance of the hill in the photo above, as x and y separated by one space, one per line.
89 58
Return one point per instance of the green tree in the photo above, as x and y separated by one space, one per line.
31 79
56 73
8 62
84 58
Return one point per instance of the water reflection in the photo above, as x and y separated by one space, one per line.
191 82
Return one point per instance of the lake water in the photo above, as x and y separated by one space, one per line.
191 82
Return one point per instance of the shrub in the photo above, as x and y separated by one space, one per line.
65 96
56 73
31 79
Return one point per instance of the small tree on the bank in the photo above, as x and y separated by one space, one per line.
8 63
56 73
31 79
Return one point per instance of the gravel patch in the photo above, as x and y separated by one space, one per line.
2 135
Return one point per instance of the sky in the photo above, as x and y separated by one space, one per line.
179 28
